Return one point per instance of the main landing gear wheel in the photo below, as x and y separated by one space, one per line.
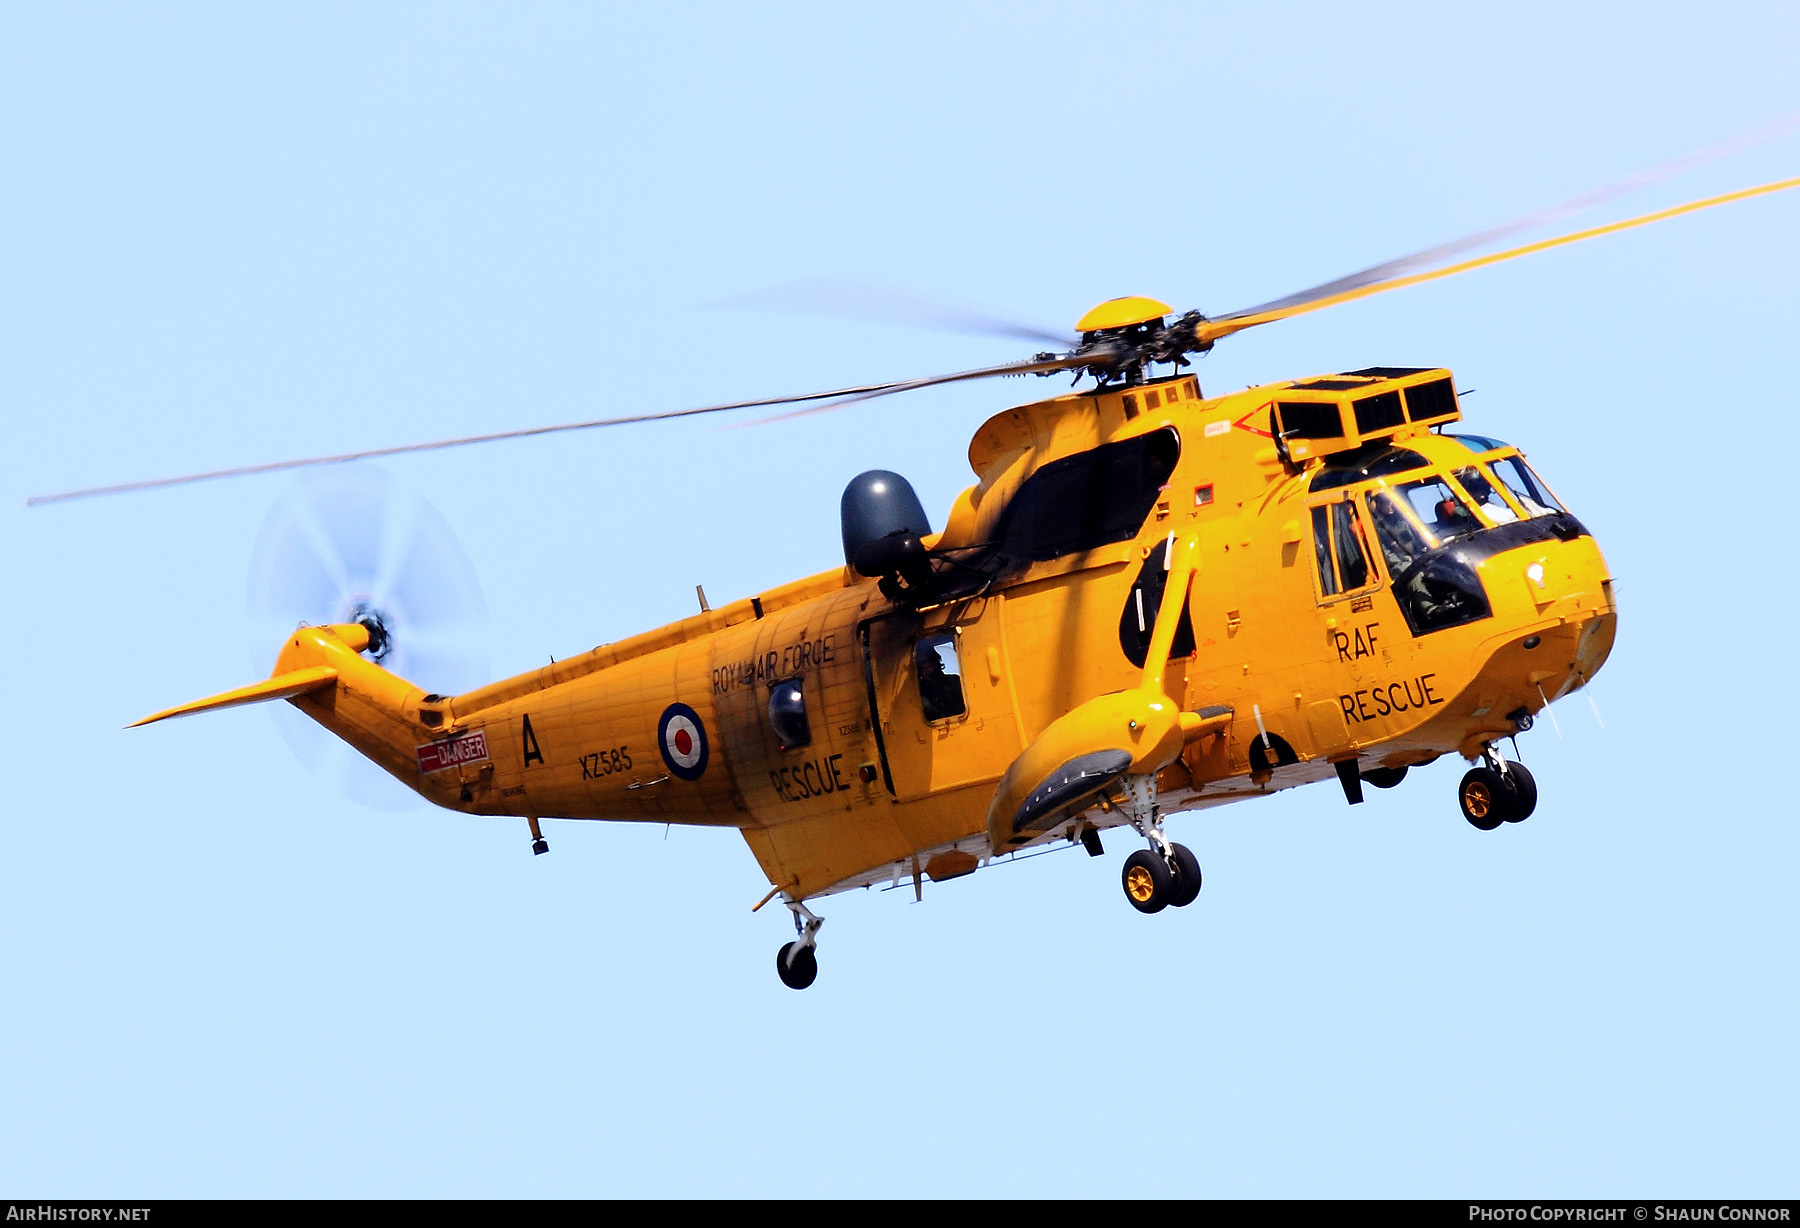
797 963
799 972
1187 876
1490 797
1147 881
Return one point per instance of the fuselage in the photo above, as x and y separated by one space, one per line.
1383 596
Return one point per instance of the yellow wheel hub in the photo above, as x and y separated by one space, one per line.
1479 801
1139 885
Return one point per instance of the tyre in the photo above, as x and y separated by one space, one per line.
1187 877
1485 798
1524 792
803 972
1147 881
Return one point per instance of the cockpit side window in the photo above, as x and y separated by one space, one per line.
1321 520
1401 540
1518 478
1341 549
1352 551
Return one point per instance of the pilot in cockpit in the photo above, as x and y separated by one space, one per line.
1485 496
1453 519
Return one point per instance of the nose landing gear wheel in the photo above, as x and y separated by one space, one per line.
802 971
1187 876
1524 792
1484 798
1147 881
1490 797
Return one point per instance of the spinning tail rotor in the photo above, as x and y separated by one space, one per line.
351 544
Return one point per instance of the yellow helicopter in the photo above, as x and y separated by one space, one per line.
1149 601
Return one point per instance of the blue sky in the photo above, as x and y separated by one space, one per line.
232 235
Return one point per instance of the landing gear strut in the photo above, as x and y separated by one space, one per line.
797 963
1499 791
1165 874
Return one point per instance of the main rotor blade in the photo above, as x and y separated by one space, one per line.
1426 257
1031 366
840 298
853 394
1212 330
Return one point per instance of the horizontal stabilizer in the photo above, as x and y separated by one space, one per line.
281 686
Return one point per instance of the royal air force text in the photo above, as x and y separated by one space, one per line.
772 666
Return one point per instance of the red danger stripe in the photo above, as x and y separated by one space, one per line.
469 748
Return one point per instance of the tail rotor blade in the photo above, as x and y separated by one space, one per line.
353 542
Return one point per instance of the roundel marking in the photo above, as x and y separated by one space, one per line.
682 739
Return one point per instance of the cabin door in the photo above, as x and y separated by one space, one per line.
942 697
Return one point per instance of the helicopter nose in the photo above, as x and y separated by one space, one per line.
1559 579
1556 620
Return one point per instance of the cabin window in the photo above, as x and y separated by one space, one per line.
787 714
1137 623
940 678
1089 500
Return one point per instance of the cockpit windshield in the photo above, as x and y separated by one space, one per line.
1492 503
1525 487
1479 443
1532 495
1440 509
1434 587
1432 529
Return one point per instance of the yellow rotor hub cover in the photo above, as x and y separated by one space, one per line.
1122 313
